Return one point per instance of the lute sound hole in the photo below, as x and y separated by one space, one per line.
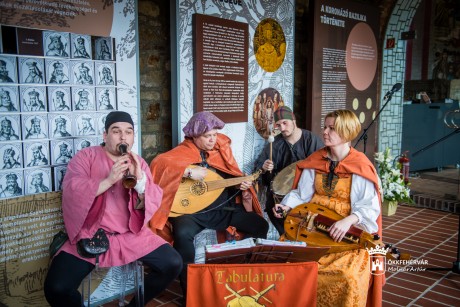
198 188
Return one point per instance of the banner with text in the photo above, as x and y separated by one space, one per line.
235 59
221 70
91 17
255 284
27 226
344 63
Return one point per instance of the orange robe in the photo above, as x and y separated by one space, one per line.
355 163
168 168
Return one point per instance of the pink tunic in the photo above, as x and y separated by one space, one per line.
113 210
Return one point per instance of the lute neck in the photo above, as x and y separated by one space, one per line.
223 183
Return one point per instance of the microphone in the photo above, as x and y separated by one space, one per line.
395 88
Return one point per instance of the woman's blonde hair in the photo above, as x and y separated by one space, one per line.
346 124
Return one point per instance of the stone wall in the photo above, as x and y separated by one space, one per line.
155 77
393 71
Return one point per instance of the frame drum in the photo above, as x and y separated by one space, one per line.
282 183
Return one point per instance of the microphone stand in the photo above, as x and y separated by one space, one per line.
364 134
436 142
456 264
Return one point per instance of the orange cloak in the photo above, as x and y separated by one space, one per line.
168 168
355 163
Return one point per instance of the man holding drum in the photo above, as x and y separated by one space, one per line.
291 145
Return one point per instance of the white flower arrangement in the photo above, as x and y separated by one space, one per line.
393 185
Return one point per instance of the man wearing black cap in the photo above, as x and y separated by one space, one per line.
93 197
292 144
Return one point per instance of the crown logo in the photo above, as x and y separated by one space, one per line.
377 250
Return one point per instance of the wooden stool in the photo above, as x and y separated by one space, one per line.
104 285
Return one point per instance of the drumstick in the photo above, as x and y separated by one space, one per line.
271 139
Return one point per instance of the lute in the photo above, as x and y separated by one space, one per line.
194 195
310 223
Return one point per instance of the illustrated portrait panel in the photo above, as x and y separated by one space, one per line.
82 72
83 99
59 173
57 71
105 73
81 46
101 122
266 103
103 48
37 180
106 98
36 154
56 44
8 69
9 99
35 126
33 98
59 99
10 128
84 142
61 151
11 155
11 183
60 125
85 125
31 71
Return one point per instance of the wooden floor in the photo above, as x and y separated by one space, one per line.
430 236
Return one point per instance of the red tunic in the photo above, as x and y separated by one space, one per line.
113 210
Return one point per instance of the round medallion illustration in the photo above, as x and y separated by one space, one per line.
269 45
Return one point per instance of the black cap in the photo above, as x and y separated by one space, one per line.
117 116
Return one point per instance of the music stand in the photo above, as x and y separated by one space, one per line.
266 254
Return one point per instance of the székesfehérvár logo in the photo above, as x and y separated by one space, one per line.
378 259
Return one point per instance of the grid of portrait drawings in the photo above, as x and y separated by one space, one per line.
52 106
